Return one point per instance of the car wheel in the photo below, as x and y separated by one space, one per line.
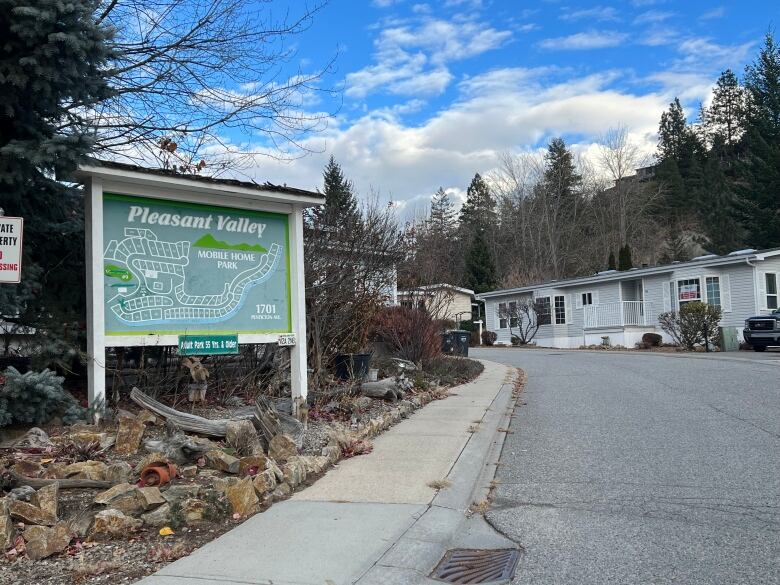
759 348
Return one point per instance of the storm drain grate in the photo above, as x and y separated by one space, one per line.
466 565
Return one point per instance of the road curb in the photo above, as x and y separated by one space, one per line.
449 521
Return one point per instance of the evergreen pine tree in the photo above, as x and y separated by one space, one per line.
560 175
341 206
611 264
480 267
624 258
759 191
724 118
52 68
672 132
479 211
442 219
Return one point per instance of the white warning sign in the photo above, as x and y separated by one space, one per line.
10 249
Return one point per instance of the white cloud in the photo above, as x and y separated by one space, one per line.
653 17
507 109
585 41
413 59
701 54
718 12
597 13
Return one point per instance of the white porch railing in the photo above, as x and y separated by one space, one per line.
637 313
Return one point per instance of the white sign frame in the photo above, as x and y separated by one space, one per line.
14 249
100 178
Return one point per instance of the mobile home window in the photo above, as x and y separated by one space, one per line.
713 290
543 316
688 291
587 299
502 315
513 314
771 290
560 310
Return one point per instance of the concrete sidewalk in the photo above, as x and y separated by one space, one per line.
373 518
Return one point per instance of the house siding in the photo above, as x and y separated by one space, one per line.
738 282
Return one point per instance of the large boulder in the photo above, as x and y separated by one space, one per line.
41 510
95 470
129 435
113 523
119 472
264 482
42 542
282 447
124 497
180 492
242 497
222 461
160 516
242 436
252 465
7 531
28 468
150 497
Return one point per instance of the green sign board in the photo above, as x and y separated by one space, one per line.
172 268
208 344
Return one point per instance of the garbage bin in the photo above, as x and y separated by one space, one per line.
729 339
447 344
461 340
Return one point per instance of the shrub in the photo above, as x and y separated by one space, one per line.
451 371
515 340
489 337
652 340
36 398
409 334
694 324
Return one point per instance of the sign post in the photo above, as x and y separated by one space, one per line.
193 262
11 231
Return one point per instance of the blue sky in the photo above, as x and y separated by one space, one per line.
433 92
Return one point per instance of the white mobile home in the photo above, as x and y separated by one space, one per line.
625 305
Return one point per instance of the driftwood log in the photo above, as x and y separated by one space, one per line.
263 415
10 479
386 389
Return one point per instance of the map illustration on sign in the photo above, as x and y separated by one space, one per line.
173 268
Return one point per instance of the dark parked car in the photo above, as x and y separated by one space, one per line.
763 331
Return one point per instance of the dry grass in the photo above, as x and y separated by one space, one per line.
439 484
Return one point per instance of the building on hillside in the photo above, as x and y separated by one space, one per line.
625 305
442 301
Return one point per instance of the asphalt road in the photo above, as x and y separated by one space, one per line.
637 468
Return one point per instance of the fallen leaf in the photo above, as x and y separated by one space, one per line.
166 531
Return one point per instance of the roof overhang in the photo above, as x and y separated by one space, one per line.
632 274
120 177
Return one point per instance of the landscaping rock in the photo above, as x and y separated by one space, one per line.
46 499
86 437
129 435
124 497
22 493
282 447
221 461
293 472
221 484
95 470
178 493
113 523
253 462
146 417
264 482
119 472
160 516
189 471
81 523
35 438
332 452
242 436
28 468
7 531
150 497
113 492
31 514
193 510
282 491
362 403
242 497
276 471
54 471
42 542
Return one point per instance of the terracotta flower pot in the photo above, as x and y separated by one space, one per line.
158 474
